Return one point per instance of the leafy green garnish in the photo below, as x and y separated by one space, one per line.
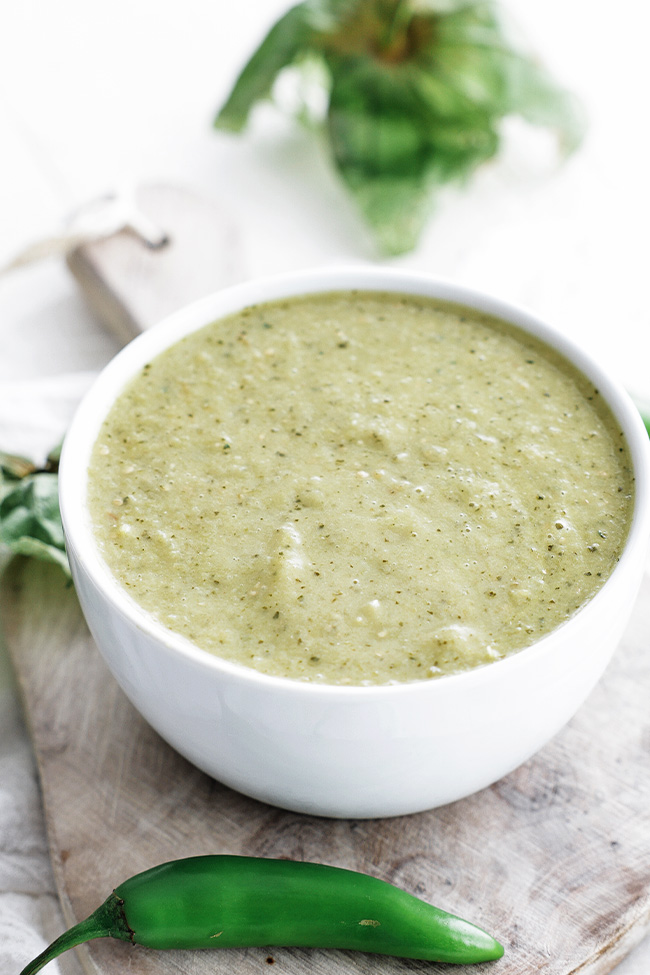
30 520
416 92
643 406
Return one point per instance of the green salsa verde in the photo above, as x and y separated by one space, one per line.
360 488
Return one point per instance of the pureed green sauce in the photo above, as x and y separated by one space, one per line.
357 488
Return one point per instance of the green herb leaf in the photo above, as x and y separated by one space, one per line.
284 42
34 548
30 520
643 406
13 466
417 90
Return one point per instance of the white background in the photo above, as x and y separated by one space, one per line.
94 94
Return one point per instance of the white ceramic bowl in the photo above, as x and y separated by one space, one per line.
345 751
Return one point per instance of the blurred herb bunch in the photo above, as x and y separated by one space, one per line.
415 93
30 520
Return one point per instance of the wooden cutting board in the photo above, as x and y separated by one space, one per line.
554 860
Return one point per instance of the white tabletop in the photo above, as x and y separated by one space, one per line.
96 95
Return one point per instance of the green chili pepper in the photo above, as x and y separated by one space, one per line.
235 902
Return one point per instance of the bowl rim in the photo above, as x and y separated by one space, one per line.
92 409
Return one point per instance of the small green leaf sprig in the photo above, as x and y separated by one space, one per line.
30 520
416 91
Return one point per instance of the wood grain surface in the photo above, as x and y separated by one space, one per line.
554 860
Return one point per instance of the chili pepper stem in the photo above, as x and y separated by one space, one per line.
107 921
